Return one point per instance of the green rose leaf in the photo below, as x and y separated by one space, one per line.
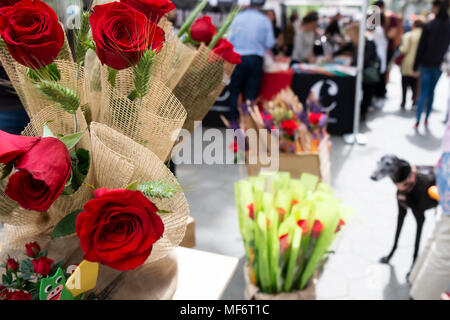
66 226
71 140
80 168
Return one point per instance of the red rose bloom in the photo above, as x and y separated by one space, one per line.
32 249
12 265
289 127
18 295
8 3
203 30
224 49
42 265
118 228
32 33
314 118
122 35
43 167
3 293
153 9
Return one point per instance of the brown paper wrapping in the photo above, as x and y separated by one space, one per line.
252 292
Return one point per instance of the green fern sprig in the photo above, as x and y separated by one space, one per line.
157 189
65 97
142 75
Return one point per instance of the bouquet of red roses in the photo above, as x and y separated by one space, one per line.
86 180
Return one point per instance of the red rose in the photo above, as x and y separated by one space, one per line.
289 126
316 229
19 295
43 167
251 210
203 30
314 118
12 265
42 265
118 228
32 32
8 3
303 224
32 249
122 35
153 9
225 49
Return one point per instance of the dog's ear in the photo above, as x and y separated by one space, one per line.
404 170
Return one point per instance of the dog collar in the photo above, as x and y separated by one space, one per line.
409 183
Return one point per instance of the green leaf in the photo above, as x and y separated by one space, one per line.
157 189
132 186
5 170
65 97
47 131
80 167
66 226
26 266
71 140
160 211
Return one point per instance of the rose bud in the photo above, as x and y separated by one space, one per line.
118 228
32 33
153 9
12 265
32 249
316 229
251 210
19 295
289 126
225 50
42 265
203 30
122 35
43 167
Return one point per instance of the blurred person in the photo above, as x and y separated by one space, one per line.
251 34
382 46
305 36
430 276
334 29
408 49
394 30
279 37
433 46
371 62
289 33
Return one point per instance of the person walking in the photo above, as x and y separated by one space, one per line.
305 36
430 276
433 46
289 34
408 50
252 35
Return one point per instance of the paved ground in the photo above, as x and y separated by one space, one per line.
353 272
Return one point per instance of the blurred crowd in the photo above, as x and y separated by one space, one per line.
418 44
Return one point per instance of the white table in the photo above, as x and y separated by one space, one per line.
203 275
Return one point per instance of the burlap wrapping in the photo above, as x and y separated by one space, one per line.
22 226
72 76
202 84
180 62
151 121
252 292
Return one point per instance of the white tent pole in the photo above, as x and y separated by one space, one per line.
360 64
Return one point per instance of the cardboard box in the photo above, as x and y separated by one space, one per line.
296 164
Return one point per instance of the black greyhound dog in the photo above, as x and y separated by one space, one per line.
412 184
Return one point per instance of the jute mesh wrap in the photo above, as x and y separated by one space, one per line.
202 84
179 62
119 161
151 121
22 226
72 77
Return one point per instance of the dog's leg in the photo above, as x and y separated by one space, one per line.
420 219
401 218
